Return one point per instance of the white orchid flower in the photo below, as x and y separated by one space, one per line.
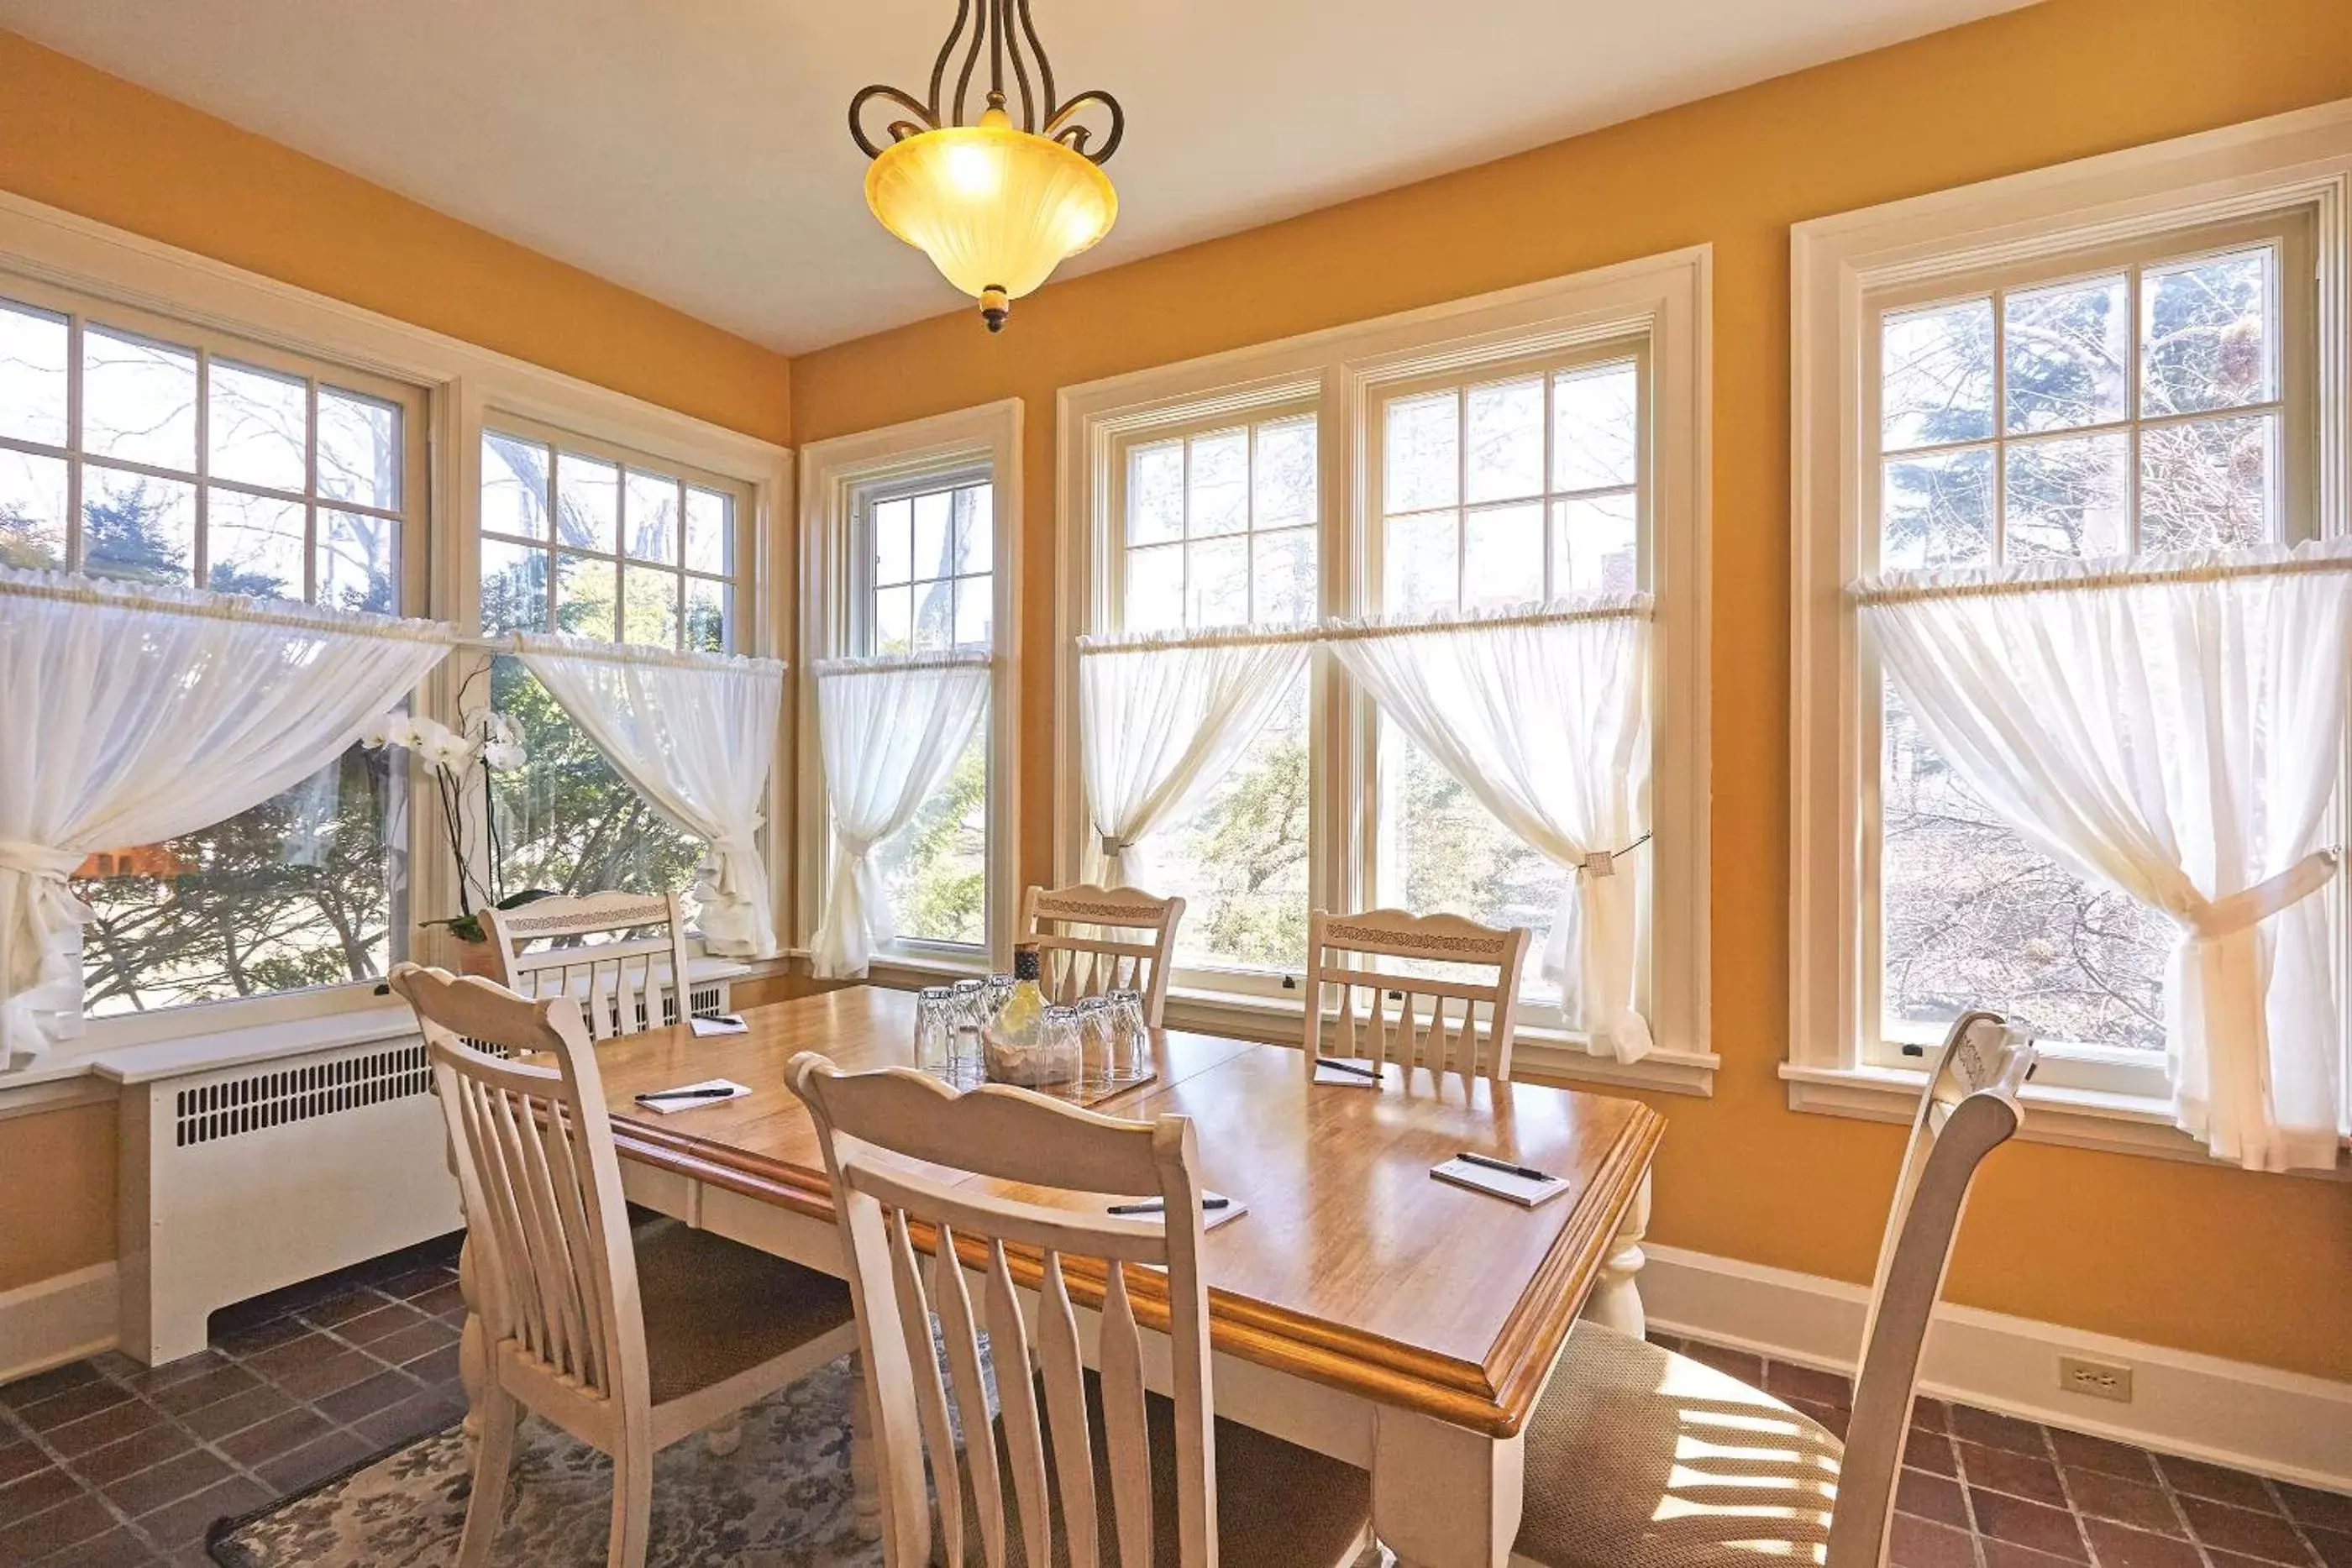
379 731
503 756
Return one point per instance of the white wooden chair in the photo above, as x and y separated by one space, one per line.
624 984
1638 1457
1396 1025
1085 954
1168 1486
627 1342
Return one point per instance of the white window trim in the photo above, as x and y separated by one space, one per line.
2299 160
462 383
1667 299
833 472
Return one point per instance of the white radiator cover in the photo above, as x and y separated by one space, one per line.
240 1180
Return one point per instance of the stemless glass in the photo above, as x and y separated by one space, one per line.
1130 1036
970 1015
935 1029
1058 1059
998 992
1097 1057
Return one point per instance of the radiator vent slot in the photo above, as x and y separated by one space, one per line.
264 1099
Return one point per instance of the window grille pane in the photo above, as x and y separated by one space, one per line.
1936 377
2069 498
32 510
2068 351
1596 421
255 544
137 528
2206 339
2210 484
33 358
257 425
138 400
361 450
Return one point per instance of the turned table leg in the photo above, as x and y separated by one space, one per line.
1616 1299
863 1475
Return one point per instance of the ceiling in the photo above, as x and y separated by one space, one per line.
696 151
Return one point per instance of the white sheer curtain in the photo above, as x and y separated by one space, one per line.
1542 714
1161 719
130 715
2174 731
694 734
890 730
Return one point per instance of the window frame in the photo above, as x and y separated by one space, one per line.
2210 194
1660 301
1245 413
838 478
120 275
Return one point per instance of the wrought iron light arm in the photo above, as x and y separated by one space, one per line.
1005 31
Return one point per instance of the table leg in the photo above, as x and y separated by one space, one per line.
1616 1302
1444 1496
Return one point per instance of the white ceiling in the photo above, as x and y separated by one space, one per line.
697 150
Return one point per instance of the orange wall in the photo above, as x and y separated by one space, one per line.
58 1169
94 145
2257 1268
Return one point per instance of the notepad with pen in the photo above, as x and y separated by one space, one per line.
693 1096
1500 1178
717 1023
1346 1073
1216 1210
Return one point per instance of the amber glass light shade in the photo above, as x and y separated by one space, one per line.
995 208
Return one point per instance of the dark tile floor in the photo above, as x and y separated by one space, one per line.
104 1461
108 1462
1984 1490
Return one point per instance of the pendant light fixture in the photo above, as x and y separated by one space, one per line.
995 204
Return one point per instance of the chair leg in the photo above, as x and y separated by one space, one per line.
493 1455
866 1481
632 1504
725 1437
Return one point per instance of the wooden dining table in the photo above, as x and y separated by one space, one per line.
1359 1307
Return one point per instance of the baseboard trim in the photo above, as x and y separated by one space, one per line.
2280 1424
51 1321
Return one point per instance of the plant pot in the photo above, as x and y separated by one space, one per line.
477 958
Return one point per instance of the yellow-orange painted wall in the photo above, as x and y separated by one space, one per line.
94 145
58 1171
2256 1268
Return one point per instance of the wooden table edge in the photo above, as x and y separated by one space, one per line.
1494 1398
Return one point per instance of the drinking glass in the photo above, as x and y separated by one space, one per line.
935 1029
1097 1053
970 1016
999 991
1059 1051
1130 1050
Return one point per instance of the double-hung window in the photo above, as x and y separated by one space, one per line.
1221 527
927 587
609 545
2133 367
144 449
1522 483
1525 449
910 569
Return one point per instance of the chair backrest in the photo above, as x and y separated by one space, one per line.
546 1223
1086 954
1071 1253
1968 1109
1406 1014
624 984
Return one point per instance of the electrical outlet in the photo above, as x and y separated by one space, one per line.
2099 1379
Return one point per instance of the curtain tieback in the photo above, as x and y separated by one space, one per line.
38 860
1113 846
2251 907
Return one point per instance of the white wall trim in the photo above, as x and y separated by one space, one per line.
2281 1424
1664 300
51 1321
2298 163
831 473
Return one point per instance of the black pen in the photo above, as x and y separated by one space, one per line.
1360 1068
1154 1204
1505 1165
687 1094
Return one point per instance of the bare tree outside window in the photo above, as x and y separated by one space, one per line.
2131 412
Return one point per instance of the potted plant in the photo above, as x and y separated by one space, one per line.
491 744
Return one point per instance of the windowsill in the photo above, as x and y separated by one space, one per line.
229 1043
2077 1118
1538 1054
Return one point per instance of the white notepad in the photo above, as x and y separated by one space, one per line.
725 1023
1340 1078
1519 1189
1210 1217
671 1107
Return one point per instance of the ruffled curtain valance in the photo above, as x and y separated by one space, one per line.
134 714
